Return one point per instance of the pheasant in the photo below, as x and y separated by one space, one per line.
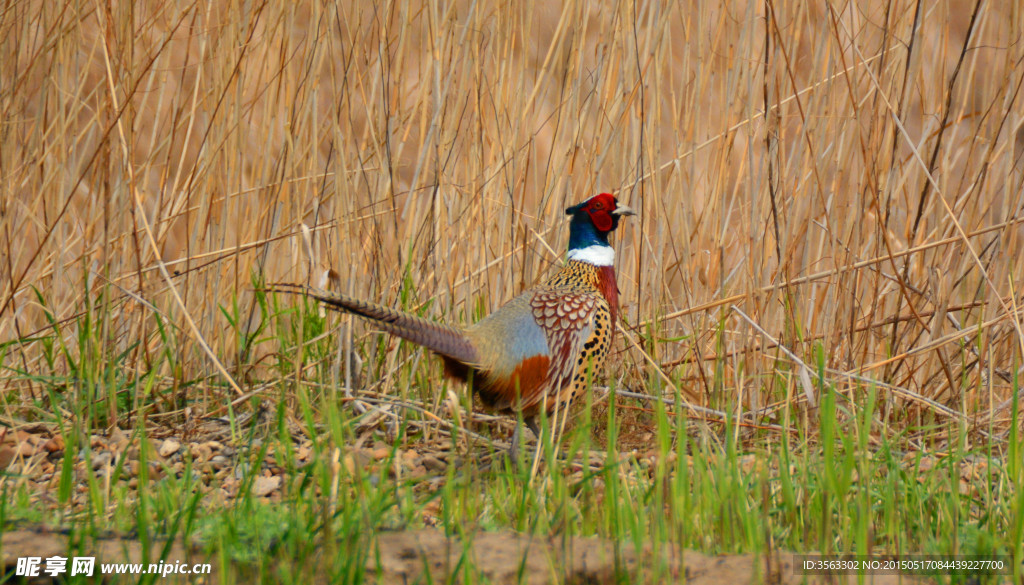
533 353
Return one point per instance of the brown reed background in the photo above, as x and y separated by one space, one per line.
847 175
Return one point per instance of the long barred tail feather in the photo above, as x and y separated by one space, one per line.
450 342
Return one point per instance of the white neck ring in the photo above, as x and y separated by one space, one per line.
598 255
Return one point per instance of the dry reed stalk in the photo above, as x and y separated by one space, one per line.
843 174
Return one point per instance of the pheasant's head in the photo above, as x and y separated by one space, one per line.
592 221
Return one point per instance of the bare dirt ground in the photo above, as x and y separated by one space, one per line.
501 557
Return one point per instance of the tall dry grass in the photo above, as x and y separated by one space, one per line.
846 175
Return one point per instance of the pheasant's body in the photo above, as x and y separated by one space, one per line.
535 351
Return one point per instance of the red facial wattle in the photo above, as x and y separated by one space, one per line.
602 220
599 209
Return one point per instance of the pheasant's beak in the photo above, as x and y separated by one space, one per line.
623 210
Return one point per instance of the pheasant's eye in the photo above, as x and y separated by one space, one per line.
598 205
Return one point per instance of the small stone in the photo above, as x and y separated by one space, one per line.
219 462
118 440
7 455
169 447
53 445
27 437
263 486
101 459
433 463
